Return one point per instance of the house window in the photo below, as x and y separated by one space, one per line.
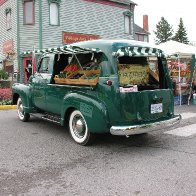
54 13
145 38
8 18
141 38
127 25
29 12
128 22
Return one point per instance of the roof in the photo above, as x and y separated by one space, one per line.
127 2
107 42
117 47
139 30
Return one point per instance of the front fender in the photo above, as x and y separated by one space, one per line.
24 92
94 111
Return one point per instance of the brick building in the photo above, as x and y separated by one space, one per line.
26 24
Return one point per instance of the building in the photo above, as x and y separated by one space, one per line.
28 24
142 34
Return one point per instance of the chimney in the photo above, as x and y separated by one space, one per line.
145 22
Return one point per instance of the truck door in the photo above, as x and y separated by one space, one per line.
40 80
55 92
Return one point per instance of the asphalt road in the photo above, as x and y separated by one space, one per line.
39 158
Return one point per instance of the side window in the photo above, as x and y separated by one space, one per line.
54 12
29 12
127 25
128 22
43 68
90 61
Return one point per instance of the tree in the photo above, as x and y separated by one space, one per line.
164 31
181 34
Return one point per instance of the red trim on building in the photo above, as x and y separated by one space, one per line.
2 2
104 2
69 37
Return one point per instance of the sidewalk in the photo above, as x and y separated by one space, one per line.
185 108
178 109
7 107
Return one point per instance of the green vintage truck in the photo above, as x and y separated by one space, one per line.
120 87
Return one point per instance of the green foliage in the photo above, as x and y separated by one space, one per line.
3 75
164 31
181 34
6 102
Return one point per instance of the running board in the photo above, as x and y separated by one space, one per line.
48 117
52 118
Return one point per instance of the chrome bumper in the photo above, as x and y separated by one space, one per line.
144 128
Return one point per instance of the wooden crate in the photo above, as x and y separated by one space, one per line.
182 73
154 75
83 80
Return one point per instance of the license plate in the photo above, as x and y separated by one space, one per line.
156 108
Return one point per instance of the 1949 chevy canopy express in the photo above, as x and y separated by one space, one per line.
100 86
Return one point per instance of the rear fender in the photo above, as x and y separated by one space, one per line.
94 111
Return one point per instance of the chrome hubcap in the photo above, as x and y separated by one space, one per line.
79 126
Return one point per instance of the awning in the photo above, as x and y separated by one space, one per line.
67 49
173 47
139 51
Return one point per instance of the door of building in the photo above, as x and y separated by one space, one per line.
27 68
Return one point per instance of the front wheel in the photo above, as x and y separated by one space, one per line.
78 129
23 116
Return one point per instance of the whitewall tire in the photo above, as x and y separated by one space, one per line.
21 114
78 128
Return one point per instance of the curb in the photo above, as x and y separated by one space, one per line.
7 107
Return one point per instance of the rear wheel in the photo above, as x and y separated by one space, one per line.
79 129
23 116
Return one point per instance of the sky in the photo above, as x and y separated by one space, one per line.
171 10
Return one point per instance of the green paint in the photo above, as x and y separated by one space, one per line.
54 1
18 41
192 69
133 26
128 13
86 109
40 26
59 15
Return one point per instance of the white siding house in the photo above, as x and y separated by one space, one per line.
49 23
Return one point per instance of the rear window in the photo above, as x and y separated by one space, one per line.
140 71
